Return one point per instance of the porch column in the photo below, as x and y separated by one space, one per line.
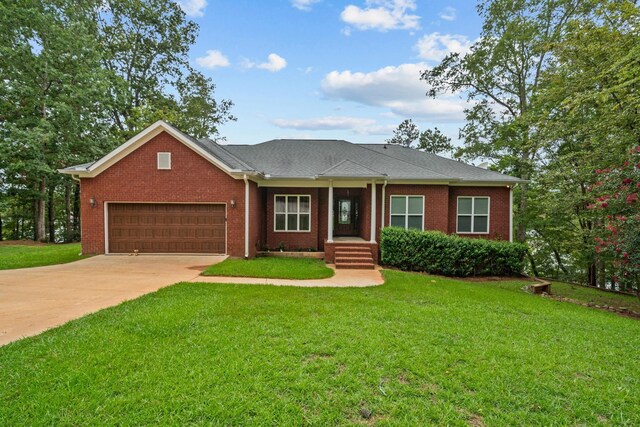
330 214
373 211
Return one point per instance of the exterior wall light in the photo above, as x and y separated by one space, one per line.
233 203
92 202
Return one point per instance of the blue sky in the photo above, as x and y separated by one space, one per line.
329 69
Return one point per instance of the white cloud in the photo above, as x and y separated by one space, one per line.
435 46
193 7
382 15
358 125
274 63
303 4
448 14
213 59
398 89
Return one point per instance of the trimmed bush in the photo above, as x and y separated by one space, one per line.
449 255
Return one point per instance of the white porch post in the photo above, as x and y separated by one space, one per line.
373 211
330 214
511 214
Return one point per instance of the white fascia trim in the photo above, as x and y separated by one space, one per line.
140 139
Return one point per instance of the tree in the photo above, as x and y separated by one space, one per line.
585 117
500 75
50 104
405 134
434 141
146 47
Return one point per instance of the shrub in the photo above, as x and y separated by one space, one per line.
439 253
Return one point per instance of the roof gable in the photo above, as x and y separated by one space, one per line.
89 170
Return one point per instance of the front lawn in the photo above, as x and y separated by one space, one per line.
272 268
418 350
23 256
595 296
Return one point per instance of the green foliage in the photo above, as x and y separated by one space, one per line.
434 141
418 350
271 267
450 255
405 134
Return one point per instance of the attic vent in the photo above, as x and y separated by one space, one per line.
164 161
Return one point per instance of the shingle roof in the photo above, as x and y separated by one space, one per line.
305 158
329 158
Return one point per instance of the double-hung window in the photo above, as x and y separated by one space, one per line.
473 215
292 213
407 212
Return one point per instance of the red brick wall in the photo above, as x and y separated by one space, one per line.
297 239
256 215
137 179
498 210
436 204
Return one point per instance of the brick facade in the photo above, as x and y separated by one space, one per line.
193 179
135 178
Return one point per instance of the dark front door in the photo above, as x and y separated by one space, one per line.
345 216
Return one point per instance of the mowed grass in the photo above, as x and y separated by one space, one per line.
23 256
271 267
418 350
595 296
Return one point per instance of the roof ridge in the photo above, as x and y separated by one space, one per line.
350 161
233 156
404 161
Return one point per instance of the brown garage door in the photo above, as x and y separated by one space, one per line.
166 228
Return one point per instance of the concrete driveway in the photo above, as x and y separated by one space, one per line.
35 299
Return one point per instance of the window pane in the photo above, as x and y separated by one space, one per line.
415 221
397 221
480 224
304 222
481 206
292 204
415 205
292 222
464 206
464 224
304 204
280 222
280 200
344 212
398 205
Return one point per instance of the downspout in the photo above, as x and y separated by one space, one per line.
384 188
246 216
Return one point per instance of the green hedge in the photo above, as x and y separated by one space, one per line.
438 253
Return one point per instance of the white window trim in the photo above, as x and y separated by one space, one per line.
285 213
158 160
406 214
473 214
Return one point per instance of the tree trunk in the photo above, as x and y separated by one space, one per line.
0 228
51 213
591 275
534 269
40 234
521 234
68 233
76 211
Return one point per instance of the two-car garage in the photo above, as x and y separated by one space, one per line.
166 228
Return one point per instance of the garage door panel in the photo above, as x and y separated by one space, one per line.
167 228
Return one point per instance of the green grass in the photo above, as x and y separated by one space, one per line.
418 350
271 267
598 297
35 256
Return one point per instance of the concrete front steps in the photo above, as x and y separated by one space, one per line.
354 257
